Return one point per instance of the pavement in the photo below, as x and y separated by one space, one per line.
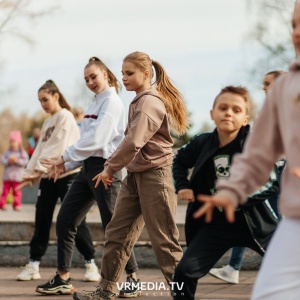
208 287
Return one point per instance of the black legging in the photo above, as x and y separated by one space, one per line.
48 194
77 203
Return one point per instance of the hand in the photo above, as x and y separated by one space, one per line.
55 168
56 171
105 178
215 201
24 183
186 195
296 172
12 160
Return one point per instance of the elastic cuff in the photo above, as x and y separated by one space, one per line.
63 269
109 170
131 269
109 286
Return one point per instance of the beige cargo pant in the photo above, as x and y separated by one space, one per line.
146 198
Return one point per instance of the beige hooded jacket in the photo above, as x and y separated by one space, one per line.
147 143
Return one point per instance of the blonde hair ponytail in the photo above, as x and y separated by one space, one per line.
172 98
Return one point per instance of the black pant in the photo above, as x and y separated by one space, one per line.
77 203
208 245
48 194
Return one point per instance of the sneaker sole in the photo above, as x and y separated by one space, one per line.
91 279
58 291
137 294
223 278
33 277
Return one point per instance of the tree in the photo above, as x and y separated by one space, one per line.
271 31
12 11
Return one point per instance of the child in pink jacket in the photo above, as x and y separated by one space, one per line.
14 161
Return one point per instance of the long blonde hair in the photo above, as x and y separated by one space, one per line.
171 97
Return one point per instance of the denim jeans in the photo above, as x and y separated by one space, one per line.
236 257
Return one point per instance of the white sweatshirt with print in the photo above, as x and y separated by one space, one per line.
58 132
102 129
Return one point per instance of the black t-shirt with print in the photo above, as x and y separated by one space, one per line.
217 166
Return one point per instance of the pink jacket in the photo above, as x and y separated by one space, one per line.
275 132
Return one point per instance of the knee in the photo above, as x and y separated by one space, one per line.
183 270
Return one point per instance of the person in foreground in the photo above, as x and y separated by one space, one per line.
210 155
147 193
279 119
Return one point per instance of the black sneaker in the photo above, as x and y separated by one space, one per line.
56 285
99 294
131 288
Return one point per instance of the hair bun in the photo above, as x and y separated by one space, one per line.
94 58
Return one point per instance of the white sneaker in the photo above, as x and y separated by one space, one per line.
227 273
29 272
91 272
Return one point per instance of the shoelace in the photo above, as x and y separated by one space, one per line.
51 279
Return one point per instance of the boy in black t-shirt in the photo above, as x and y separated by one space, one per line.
211 154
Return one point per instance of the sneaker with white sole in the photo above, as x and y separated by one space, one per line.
56 286
91 272
131 288
29 272
227 273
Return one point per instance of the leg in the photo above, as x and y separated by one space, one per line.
17 194
106 200
45 205
83 239
74 208
236 257
121 233
159 203
203 252
283 253
5 192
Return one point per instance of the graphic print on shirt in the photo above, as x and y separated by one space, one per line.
222 165
48 133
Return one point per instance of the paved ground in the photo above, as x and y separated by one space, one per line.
208 287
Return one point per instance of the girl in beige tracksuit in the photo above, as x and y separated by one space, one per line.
147 194
276 132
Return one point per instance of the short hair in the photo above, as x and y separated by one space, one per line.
237 90
275 73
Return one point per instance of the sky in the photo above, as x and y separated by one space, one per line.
201 44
